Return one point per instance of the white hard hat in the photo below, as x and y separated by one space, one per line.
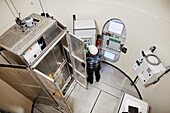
93 49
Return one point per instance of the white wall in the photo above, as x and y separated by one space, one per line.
13 101
147 23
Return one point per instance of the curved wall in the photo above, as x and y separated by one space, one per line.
147 24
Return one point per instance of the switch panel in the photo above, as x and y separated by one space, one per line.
146 71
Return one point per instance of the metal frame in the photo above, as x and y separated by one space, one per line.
72 61
24 81
53 93
50 47
67 63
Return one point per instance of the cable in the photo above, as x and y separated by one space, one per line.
15 8
10 9
13 66
127 77
41 6
150 62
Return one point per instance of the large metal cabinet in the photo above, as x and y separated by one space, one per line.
42 60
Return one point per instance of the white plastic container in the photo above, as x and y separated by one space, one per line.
29 22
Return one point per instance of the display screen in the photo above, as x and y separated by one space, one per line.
116 27
110 55
133 109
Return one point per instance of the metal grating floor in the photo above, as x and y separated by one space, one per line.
103 96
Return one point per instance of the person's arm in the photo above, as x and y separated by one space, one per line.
100 56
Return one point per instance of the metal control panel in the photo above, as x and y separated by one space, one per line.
113 39
148 68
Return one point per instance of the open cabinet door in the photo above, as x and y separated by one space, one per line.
77 50
54 91
36 86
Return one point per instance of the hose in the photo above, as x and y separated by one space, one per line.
33 105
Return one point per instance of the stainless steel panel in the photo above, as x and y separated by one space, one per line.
22 90
6 77
82 100
46 100
51 87
31 38
60 80
65 72
51 33
67 54
43 67
45 108
13 58
54 91
33 92
3 59
11 40
48 49
59 55
105 104
81 79
17 76
51 62
24 82
62 76
42 100
79 67
19 41
37 111
78 55
77 47
64 41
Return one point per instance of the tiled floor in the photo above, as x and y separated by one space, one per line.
103 96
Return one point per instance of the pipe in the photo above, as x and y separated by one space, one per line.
33 105
41 6
13 66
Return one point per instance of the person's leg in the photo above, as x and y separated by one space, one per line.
97 74
90 75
